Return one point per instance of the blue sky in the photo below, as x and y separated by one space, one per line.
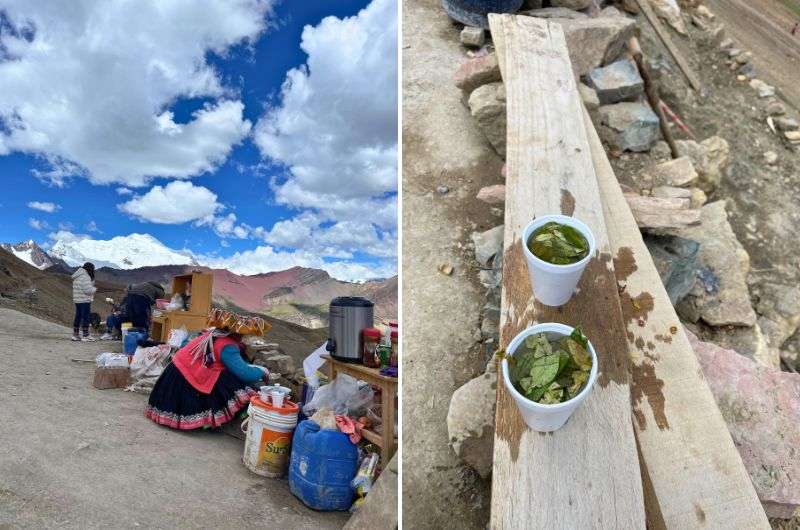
254 134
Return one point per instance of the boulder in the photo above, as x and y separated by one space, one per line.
745 340
786 124
656 212
571 4
589 97
761 407
721 295
779 307
610 11
675 259
671 13
619 81
476 72
593 42
671 192
470 423
276 363
555 12
675 172
487 104
492 194
629 126
709 158
488 244
473 37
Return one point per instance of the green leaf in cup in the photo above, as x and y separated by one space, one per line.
558 244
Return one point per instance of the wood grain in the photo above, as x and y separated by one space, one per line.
693 475
585 475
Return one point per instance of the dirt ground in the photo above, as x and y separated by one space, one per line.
75 457
441 314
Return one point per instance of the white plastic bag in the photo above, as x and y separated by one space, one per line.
176 304
149 362
177 336
112 360
344 395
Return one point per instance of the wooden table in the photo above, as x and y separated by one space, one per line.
388 385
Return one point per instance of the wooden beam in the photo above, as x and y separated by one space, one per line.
651 17
693 474
586 474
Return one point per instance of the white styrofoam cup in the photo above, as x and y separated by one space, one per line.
552 284
539 417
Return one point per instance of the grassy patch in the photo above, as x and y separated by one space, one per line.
793 6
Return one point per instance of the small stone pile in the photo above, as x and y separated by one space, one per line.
280 365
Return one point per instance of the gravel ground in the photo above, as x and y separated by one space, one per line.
72 456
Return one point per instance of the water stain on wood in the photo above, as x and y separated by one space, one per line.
667 339
567 202
624 264
645 385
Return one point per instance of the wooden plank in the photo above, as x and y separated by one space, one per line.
692 472
651 17
585 475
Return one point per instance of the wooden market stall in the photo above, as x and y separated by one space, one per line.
196 288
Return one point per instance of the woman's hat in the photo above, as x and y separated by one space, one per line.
235 323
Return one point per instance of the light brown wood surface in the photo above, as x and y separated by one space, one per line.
693 475
585 475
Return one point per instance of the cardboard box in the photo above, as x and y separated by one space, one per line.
105 378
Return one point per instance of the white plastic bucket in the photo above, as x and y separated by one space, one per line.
539 417
269 437
552 284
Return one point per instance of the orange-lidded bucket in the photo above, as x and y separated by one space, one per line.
269 437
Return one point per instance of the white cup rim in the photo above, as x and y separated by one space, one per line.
548 327
575 223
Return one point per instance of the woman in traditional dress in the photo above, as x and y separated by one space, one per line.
206 384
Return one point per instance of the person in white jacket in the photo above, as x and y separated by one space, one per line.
83 290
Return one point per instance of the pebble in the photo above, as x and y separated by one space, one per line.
771 157
471 36
442 190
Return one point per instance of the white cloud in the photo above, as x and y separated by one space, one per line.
91 226
336 132
47 207
177 202
89 88
124 191
38 224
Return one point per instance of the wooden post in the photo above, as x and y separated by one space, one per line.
693 474
586 474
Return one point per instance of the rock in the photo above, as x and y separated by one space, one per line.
779 305
676 172
771 158
492 194
748 341
629 126
669 11
786 124
610 11
726 45
488 244
675 259
472 36
491 278
470 423
442 190
743 58
593 42
721 295
487 105
577 5
555 12
276 363
704 12
764 90
671 192
589 97
748 71
775 108
792 136
733 52
476 72
619 81
698 197
709 157
762 409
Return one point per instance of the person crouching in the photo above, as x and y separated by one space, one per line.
83 290
206 384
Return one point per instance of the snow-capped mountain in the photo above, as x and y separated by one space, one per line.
121 252
30 252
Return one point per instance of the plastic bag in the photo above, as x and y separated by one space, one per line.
149 362
112 360
176 303
344 395
177 337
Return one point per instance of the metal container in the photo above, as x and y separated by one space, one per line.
473 12
348 315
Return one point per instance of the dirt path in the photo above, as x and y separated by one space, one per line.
75 457
762 26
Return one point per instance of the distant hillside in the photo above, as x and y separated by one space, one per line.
48 295
299 295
